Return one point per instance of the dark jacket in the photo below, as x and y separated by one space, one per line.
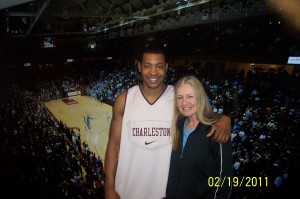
201 159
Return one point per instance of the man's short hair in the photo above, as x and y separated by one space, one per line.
150 47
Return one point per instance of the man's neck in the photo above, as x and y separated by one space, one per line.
152 94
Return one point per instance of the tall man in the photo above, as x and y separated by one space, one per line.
139 147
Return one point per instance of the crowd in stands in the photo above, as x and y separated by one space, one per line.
265 118
110 85
43 158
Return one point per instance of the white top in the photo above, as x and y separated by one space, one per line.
145 148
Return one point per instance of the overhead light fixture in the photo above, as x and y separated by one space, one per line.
84 27
24 20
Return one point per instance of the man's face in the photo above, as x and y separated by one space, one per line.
153 69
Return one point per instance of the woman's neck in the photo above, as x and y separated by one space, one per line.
191 123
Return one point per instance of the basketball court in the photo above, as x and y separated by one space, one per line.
87 114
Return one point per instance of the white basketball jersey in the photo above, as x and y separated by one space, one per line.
145 148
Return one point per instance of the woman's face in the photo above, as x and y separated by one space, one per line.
186 100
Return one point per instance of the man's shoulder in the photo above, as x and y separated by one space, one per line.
122 96
134 87
170 91
170 88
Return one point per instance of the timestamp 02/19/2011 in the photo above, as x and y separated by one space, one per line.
238 181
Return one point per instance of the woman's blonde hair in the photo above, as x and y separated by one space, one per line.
204 113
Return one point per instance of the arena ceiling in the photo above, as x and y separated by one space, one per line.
22 18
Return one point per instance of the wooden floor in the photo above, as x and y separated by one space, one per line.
73 116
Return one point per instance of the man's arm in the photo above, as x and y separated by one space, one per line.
221 129
113 146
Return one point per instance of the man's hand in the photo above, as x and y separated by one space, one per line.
221 129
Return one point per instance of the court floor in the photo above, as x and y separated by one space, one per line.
89 115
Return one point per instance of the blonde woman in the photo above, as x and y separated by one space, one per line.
197 164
